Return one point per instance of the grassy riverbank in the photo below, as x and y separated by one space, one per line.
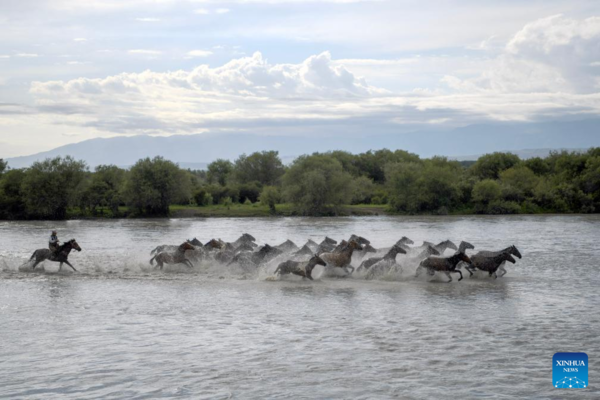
232 211
258 210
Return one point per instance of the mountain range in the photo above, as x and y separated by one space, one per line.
465 143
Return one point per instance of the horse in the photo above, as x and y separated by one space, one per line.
445 265
61 255
177 257
464 246
390 255
489 264
512 250
303 269
342 259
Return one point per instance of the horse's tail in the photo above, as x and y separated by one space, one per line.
152 260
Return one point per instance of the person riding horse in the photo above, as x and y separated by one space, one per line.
53 243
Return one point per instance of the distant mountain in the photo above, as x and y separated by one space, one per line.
195 151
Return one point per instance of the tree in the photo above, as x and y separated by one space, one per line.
363 190
521 178
270 196
3 166
12 202
430 186
265 168
372 164
219 171
489 166
317 184
154 184
49 186
105 188
486 192
401 179
249 191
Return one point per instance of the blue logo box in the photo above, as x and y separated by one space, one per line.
570 370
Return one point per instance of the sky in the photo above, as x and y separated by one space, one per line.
72 70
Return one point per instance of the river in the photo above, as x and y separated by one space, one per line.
120 329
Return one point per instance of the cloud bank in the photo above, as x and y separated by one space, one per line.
549 69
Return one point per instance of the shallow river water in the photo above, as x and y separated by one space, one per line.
121 329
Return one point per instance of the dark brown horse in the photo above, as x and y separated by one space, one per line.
489 264
61 255
445 265
176 257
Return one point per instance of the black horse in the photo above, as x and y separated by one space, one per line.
61 255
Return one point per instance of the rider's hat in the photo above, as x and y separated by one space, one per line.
54 232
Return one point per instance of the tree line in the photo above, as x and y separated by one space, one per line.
316 184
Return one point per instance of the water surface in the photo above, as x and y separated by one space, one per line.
119 329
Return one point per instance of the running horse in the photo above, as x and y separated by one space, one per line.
176 257
61 255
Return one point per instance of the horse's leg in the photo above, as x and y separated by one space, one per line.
36 263
346 269
503 271
60 266
461 275
188 263
69 264
469 269
448 275
418 272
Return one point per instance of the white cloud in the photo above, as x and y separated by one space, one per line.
222 10
201 11
4 56
145 52
80 40
148 19
27 55
554 54
199 53
250 91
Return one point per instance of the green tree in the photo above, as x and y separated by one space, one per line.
372 163
49 186
249 191
317 184
263 167
105 188
3 166
154 184
402 181
219 171
489 166
270 196
486 192
363 190
12 201
430 186
521 178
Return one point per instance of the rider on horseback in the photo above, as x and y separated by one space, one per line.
53 243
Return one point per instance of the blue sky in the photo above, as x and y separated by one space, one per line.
72 70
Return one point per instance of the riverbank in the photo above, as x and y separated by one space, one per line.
258 210
231 211
254 210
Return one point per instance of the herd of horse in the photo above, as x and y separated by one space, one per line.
338 257
333 256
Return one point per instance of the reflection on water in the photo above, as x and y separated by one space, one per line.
120 329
